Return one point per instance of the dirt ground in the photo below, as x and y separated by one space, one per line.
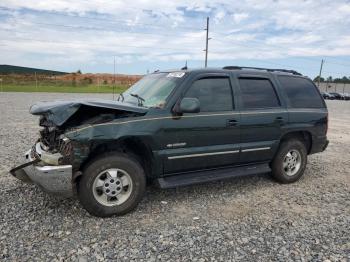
251 218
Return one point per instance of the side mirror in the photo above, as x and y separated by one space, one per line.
189 105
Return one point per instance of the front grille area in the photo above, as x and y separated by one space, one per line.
51 138
66 150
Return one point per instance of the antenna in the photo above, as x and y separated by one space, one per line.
185 67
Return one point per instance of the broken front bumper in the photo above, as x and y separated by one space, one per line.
56 179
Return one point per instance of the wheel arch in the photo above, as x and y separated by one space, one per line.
133 146
303 135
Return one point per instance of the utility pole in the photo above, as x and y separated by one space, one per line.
206 43
36 82
319 75
113 76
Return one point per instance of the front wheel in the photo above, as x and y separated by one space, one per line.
290 161
112 185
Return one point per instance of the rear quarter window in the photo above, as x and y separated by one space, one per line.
301 92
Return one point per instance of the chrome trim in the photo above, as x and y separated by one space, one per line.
52 179
176 145
256 149
46 157
204 154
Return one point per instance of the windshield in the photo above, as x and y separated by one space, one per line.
152 90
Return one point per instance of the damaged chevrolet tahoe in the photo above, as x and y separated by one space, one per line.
176 128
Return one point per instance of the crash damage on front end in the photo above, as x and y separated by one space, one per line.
55 159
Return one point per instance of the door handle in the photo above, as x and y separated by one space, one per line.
279 119
231 122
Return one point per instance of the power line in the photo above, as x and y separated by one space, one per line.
152 25
132 23
110 20
162 48
148 47
338 59
306 58
91 44
292 66
335 63
317 60
261 42
65 42
109 30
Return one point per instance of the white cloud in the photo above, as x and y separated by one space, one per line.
219 16
170 30
238 17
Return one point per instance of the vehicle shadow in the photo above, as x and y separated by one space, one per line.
37 200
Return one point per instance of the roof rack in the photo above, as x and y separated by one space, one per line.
259 68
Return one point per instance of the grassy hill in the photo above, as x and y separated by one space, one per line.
10 69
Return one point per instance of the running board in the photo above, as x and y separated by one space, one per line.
211 175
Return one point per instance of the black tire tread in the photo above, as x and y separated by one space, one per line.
111 160
276 164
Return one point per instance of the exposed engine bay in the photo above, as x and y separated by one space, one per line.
79 114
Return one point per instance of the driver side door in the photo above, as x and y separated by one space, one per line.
207 139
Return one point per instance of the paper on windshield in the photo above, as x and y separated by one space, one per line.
176 74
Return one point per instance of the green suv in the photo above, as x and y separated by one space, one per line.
176 128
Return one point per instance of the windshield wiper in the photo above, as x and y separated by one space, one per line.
140 100
122 96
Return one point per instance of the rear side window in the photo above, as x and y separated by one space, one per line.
213 93
301 92
258 93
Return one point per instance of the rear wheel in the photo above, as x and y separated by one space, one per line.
111 185
290 161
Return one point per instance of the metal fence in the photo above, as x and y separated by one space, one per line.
334 87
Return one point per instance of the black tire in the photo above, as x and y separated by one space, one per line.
86 189
278 172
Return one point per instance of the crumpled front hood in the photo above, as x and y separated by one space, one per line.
59 111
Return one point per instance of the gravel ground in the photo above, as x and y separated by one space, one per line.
251 218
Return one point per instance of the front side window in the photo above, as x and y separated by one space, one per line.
214 94
152 90
301 92
258 93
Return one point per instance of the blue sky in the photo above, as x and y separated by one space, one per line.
148 35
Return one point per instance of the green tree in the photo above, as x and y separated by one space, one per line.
317 77
345 79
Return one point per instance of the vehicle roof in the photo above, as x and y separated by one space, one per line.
240 70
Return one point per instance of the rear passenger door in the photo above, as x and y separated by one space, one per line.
263 116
